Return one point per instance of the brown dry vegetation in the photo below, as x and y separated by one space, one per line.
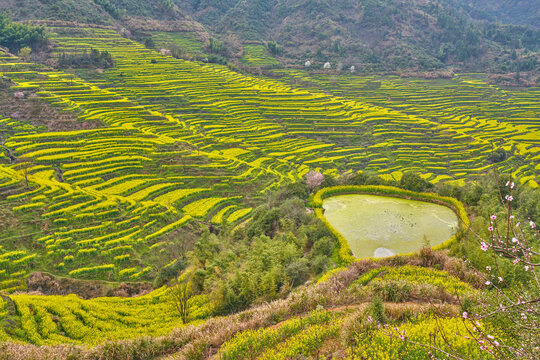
35 111
40 283
186 25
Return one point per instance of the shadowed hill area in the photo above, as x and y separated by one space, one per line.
86 11
104 12
379 35
372 35
521 12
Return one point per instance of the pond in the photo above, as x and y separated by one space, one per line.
380 226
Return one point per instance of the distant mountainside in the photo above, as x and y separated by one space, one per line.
103 12
518 12
375 34
372 35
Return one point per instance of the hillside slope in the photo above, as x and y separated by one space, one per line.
523 12
320 311
186 140
134 15
372 35
85 11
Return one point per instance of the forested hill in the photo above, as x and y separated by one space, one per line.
518 12
389 34
379 34
102 12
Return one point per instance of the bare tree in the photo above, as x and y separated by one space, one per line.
181 297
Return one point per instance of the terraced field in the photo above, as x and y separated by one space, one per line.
354 329
257 55
466 103
187 141
185 41
68 319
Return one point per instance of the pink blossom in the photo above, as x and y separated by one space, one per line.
532 224
314 179
490 228
500 279
484 246
493 217
464 314
509 197
488 282
515 240
403 336
523 316
488 268
526 267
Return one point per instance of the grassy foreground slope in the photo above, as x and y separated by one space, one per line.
186 140
336 316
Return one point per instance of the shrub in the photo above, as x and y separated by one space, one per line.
393 290
323 246
298 272
319 264
413 182
377 311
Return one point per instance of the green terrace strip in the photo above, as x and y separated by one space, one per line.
257 55
415 274
186 42
343 250
380 346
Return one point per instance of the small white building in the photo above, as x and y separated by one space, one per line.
353 69
307 64
327 66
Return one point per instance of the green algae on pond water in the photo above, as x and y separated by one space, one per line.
379 226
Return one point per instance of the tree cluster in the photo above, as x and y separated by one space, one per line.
111 8
16 36
282 247
92 59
